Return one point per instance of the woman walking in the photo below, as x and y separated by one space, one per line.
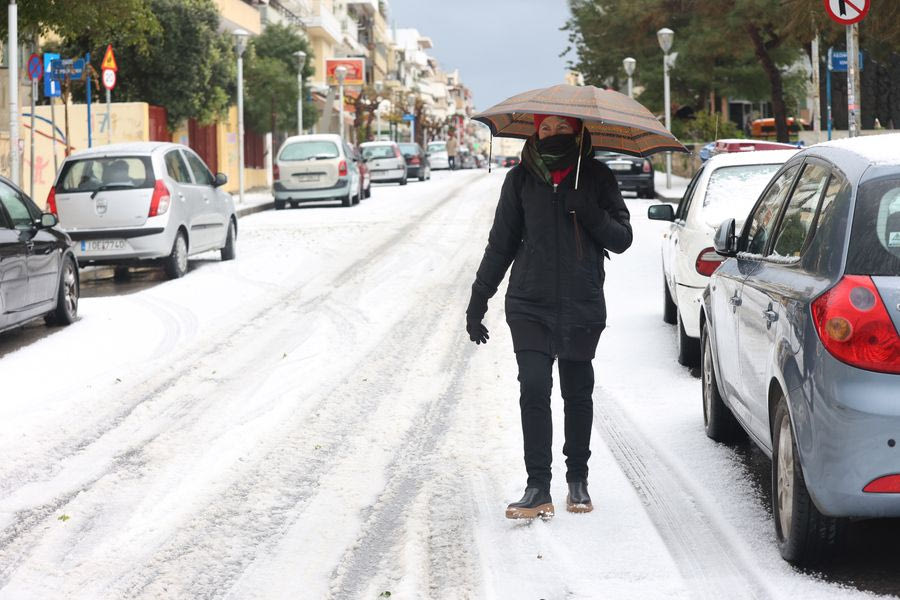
559 213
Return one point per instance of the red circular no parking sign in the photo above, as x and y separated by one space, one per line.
847 12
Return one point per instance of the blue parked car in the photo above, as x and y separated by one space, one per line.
800 344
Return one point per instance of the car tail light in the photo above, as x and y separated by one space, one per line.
889 484
855 327
708 261
276 173
51 202
414 160
647 166
397 152
159 203
342 168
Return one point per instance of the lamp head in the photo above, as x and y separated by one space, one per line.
240 39
665 37
629 64
301 58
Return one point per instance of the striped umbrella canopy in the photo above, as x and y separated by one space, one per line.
616 122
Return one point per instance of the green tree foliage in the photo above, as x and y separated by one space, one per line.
189 68
130 20
270 81
738 48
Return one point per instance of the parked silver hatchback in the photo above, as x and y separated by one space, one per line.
316 167
385 161
134 203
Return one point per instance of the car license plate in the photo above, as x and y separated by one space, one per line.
307 178
619 166
102 245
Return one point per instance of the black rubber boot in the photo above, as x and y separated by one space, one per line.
578 500
536 502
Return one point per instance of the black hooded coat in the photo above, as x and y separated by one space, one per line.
554 301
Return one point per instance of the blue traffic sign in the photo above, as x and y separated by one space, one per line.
52 89
73 67
408 117
837 60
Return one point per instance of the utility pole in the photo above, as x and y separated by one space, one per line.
13 60
853 88
816 116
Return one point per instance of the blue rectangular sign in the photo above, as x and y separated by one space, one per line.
838 62
52 89
409 117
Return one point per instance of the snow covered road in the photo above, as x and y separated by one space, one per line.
311 421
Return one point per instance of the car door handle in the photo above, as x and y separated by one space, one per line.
735 300
181 196
206 198
770 315
29 246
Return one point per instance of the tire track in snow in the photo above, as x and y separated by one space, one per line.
713 565
13 545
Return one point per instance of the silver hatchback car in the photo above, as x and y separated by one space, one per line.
129 204
800 330
316 167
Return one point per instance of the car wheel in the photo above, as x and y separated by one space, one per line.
348 199
718 419
669 309
368 193
279 205
66 296
403 181
805 536
688 347
228 250
176 263
295 204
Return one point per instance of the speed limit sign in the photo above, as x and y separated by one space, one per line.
109 79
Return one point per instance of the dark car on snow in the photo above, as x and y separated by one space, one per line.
800 334
634 174
417 163
38 270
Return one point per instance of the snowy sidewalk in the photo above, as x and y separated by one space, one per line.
254 202
679 184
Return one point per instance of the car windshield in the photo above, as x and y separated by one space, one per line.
437 147
732 191
384 151
409 149
318 149
875 236
91 174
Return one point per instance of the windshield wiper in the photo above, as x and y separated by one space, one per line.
111 186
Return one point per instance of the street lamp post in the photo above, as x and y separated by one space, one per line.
240 39
13 62
411 104
665 37
340 73
629 64
378 87
301 60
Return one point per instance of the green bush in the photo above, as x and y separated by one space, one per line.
703 128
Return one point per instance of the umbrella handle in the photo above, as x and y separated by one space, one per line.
578 169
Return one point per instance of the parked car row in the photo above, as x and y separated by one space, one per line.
799 324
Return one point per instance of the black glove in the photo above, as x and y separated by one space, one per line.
475 312
586 210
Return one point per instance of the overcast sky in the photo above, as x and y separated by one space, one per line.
501 47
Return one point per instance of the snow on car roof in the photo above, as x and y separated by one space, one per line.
882 149
755 157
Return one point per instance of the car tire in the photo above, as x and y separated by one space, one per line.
295 204
423 175
403 181
670 311
175 264
229 251
718 420
279 205
347 200
804 535
67 295
688 347
368 193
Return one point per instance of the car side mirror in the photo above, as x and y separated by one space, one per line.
725 241
661 212
49 220
221 179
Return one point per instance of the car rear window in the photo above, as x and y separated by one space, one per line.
307 150
90 174
377 152
437 147
409 148
875 235
732 191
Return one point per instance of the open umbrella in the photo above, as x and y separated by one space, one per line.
615 121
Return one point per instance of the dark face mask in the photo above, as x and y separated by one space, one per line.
559 144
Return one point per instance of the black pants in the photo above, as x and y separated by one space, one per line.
452 162
576 380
